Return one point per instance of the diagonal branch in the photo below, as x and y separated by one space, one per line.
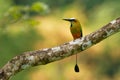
47 55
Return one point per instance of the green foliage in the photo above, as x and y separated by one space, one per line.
24 2
58 3
91 4
39 8
55 4
17 33
26 12
4 5
103 13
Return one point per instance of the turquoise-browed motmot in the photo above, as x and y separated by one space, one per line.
76 31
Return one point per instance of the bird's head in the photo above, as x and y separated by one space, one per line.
73 21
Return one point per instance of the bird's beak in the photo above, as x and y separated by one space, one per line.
66 19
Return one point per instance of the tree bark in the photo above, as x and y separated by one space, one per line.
47 55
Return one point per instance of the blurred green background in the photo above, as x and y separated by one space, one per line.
25 24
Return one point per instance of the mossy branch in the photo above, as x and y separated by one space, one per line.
47 55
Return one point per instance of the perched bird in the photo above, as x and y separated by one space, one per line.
76 31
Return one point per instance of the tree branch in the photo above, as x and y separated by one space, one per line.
47 55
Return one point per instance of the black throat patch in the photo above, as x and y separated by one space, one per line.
71 25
